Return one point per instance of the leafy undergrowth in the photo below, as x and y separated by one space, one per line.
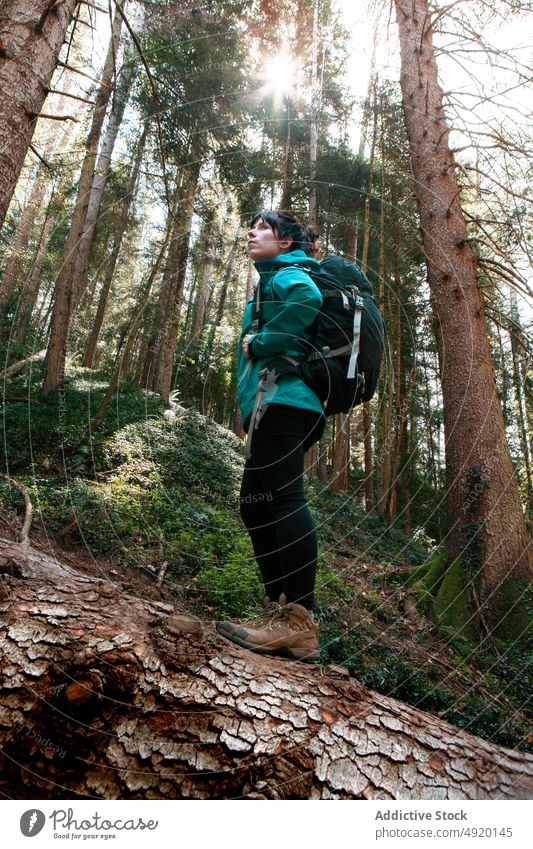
146 490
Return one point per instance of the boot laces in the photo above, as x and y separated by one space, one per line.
267 614
278 615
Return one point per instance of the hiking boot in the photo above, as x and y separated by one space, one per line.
289 631
269 608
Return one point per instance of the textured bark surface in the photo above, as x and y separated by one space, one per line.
106 695
18 259
88 358
487 524
31 35
67 292
174 279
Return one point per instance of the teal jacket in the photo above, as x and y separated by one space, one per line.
290 302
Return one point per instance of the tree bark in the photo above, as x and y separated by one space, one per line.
174 279
101 174
31 36
205 287
88 358
66 293
341 454
123 357
487 528
18 260
367 422
32 283
520 405
154 342
313 125
56 140
154 704
228 274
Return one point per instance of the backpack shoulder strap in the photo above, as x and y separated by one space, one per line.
257 313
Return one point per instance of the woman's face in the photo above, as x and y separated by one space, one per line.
264 244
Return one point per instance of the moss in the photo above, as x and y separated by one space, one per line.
426 580
514 620
452 607
412 576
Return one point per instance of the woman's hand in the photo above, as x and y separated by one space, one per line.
247 353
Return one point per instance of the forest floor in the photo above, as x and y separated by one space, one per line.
148 490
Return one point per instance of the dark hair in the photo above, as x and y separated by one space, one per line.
285 225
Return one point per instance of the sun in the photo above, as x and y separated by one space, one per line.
279 73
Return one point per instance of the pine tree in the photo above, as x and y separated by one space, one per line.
31 36
488 549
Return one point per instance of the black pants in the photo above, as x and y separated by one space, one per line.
273 505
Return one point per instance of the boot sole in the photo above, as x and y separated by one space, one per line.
282 651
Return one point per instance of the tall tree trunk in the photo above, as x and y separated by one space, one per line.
31 36
223 294
352 238
154 343
123 357
520 404
88 359
384 435
206 264
401 395
341 454
17 262
155 704
286 185
33 282
487 529
313 126
175 271
66 293
101 174
57 140
31 287
367 424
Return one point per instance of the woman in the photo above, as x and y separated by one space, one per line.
283 418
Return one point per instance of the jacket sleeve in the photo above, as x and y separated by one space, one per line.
299 302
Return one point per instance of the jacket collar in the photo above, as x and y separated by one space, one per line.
297 257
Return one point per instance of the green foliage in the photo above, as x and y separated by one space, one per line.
55 430
340 522
192 453
495 714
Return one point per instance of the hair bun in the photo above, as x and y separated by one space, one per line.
286 225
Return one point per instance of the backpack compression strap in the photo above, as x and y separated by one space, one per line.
256 308
357 315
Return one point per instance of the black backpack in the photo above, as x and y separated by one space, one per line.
346 347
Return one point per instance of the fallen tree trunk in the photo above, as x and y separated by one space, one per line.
105 695
40 355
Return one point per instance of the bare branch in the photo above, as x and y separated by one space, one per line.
73 96
81 73
24 534
39 157
32 116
